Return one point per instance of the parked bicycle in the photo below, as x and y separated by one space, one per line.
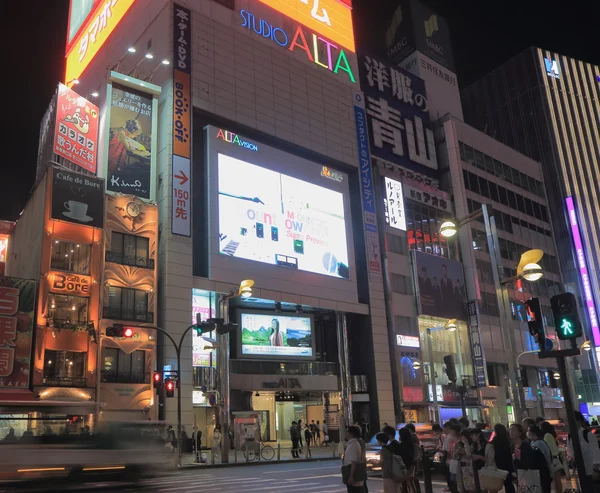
253 453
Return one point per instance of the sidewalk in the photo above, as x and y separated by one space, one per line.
281 454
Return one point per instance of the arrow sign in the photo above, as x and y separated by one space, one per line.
182 177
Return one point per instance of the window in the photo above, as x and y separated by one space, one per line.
67 311
130 250
492 304
492 376
406 326
119 366
72 257
397 244
128 304
64 368
401 284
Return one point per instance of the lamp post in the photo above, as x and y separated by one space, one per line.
528 269
450 326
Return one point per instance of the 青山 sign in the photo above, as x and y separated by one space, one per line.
330 18
92 36
318 49
71 284
76 128
396 104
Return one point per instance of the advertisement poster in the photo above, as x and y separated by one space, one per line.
441 286
276 336
76 129
273 218
17 306
394 204
479 365
77 198
130 145
201 357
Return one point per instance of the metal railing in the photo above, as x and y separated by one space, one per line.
277 368
126 259
52 381
112 377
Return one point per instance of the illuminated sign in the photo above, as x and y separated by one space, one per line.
394 204
583 271
327 17
71 284
93 35
327 172
552 68
3 248
407 341
234 138
318 49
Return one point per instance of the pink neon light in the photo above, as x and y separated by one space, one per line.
583 272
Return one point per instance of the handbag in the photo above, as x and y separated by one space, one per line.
360 473
528 481
468 476
492 479
557 465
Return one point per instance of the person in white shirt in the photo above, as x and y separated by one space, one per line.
353 456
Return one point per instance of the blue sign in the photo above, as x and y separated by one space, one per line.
366 173
476 345
398 113
552 68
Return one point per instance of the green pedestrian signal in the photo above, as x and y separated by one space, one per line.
566 319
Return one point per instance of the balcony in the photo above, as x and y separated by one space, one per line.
112 377
132 260
51 381
131 315
243 367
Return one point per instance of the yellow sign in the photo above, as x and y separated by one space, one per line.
99 26
330 18
71 284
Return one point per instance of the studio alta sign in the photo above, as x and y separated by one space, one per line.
317 49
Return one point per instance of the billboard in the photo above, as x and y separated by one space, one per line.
130 142
201 304
398 116
270 217
276 336
76 129
77 198
394 204
441 286
17 312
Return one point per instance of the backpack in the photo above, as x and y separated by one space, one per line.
399 470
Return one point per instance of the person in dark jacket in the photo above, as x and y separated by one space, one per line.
503 455
527 457
295 436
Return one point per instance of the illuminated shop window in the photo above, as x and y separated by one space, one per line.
67 311
72 257
130 250
64 368
119 366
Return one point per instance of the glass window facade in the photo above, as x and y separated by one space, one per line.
423 225
67 311
122 367
127 304
71 257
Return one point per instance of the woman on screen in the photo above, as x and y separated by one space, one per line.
275 339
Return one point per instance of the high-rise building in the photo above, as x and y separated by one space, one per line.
547 106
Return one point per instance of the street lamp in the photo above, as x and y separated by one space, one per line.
527 269
586 346
556 375
416 364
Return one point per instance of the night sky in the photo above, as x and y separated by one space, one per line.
485 33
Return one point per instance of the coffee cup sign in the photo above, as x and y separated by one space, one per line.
72 284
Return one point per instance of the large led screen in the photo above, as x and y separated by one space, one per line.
276 336
276 219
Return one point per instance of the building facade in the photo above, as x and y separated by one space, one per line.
547 106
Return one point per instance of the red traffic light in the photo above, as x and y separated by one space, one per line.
169 387
128 332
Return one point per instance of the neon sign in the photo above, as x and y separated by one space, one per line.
314 49
233 138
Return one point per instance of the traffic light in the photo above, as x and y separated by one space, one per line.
535 322
169 387
450 368
157 379
216 324
566 320
119 330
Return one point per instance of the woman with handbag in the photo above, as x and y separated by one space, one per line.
463 453
354 470
558 468
503 455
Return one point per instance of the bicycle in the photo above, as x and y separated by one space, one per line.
266 452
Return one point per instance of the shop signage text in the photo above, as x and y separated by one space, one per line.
552 68
315 49
71 284
283 383
327 172
234 138
476 346
394 204
407 341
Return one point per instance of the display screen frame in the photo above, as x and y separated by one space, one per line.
276 357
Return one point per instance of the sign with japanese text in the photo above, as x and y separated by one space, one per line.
70 284
181 207
396 104
131 142
407 174
77 198
476 345
17 312
429 196
367 191
330 18
92 36
76 129
394 204
407 341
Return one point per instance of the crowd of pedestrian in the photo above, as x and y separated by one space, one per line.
307 435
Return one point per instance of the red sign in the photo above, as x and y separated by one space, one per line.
76 129
17 305
412 394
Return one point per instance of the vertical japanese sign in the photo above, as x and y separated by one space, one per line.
181 209
396 103
583 271
366 186
17 307
394 204
476 346
76 129
131 142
